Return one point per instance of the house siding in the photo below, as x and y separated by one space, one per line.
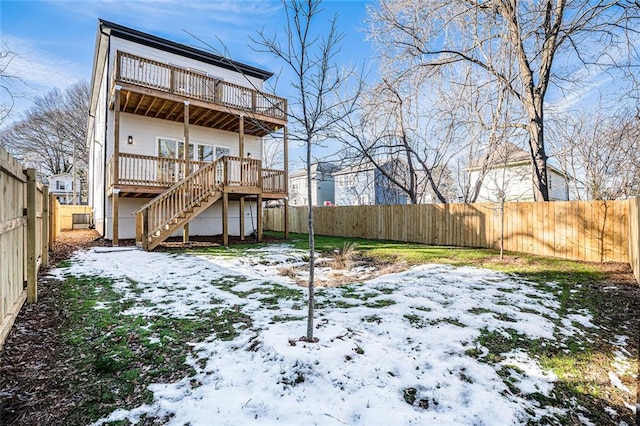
97 157
322 190
181 61
517 183
325 190
208 222
358 188
146 130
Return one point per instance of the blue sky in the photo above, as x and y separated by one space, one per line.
54 40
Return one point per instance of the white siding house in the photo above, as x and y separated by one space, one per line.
62 187
322 189
364 184
151 98
509 173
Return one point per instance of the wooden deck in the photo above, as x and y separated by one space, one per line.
159 90
148 176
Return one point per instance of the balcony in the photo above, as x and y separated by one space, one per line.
159 90
147 176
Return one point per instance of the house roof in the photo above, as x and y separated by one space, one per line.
321 167
364 166
503 155
63 174
508 155
156 42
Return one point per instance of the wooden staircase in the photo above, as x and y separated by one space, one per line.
174 208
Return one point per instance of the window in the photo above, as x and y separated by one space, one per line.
205 153
174 150
60 185
222 151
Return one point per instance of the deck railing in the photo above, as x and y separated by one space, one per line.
149 171
169 78
274 180
146 170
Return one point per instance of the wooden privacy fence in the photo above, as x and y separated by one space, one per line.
61 217
634 236
595 231
24 243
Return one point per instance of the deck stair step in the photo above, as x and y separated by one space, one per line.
175 207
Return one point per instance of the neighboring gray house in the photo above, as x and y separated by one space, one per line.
322 191
509 171
364 184
61 186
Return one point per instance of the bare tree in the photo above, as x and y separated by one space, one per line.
8 82
51 134
308 53
600 152
534 36
393 131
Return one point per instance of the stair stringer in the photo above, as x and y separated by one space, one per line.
182 219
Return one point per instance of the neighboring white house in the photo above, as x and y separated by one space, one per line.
509 173
364 184
61 186
322 185
151 98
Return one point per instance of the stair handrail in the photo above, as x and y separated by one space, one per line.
171 204
181 182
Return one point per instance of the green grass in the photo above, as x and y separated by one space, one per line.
536 268
120 355
116 356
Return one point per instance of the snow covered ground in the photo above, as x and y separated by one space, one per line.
398 349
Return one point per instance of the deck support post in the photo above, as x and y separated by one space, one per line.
259 218
116 138
225 219
187 167
241 217
286 183
115 201
116 167
241 136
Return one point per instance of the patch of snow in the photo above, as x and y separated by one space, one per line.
585 421
530 378
615 381
114 249
368 357
101 306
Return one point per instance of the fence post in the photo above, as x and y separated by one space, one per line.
52 224
32 273
44 236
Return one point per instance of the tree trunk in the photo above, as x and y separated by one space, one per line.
538 154
312 247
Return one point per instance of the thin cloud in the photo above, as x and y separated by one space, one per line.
175 12
40 69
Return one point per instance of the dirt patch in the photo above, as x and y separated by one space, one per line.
32 381
332 271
